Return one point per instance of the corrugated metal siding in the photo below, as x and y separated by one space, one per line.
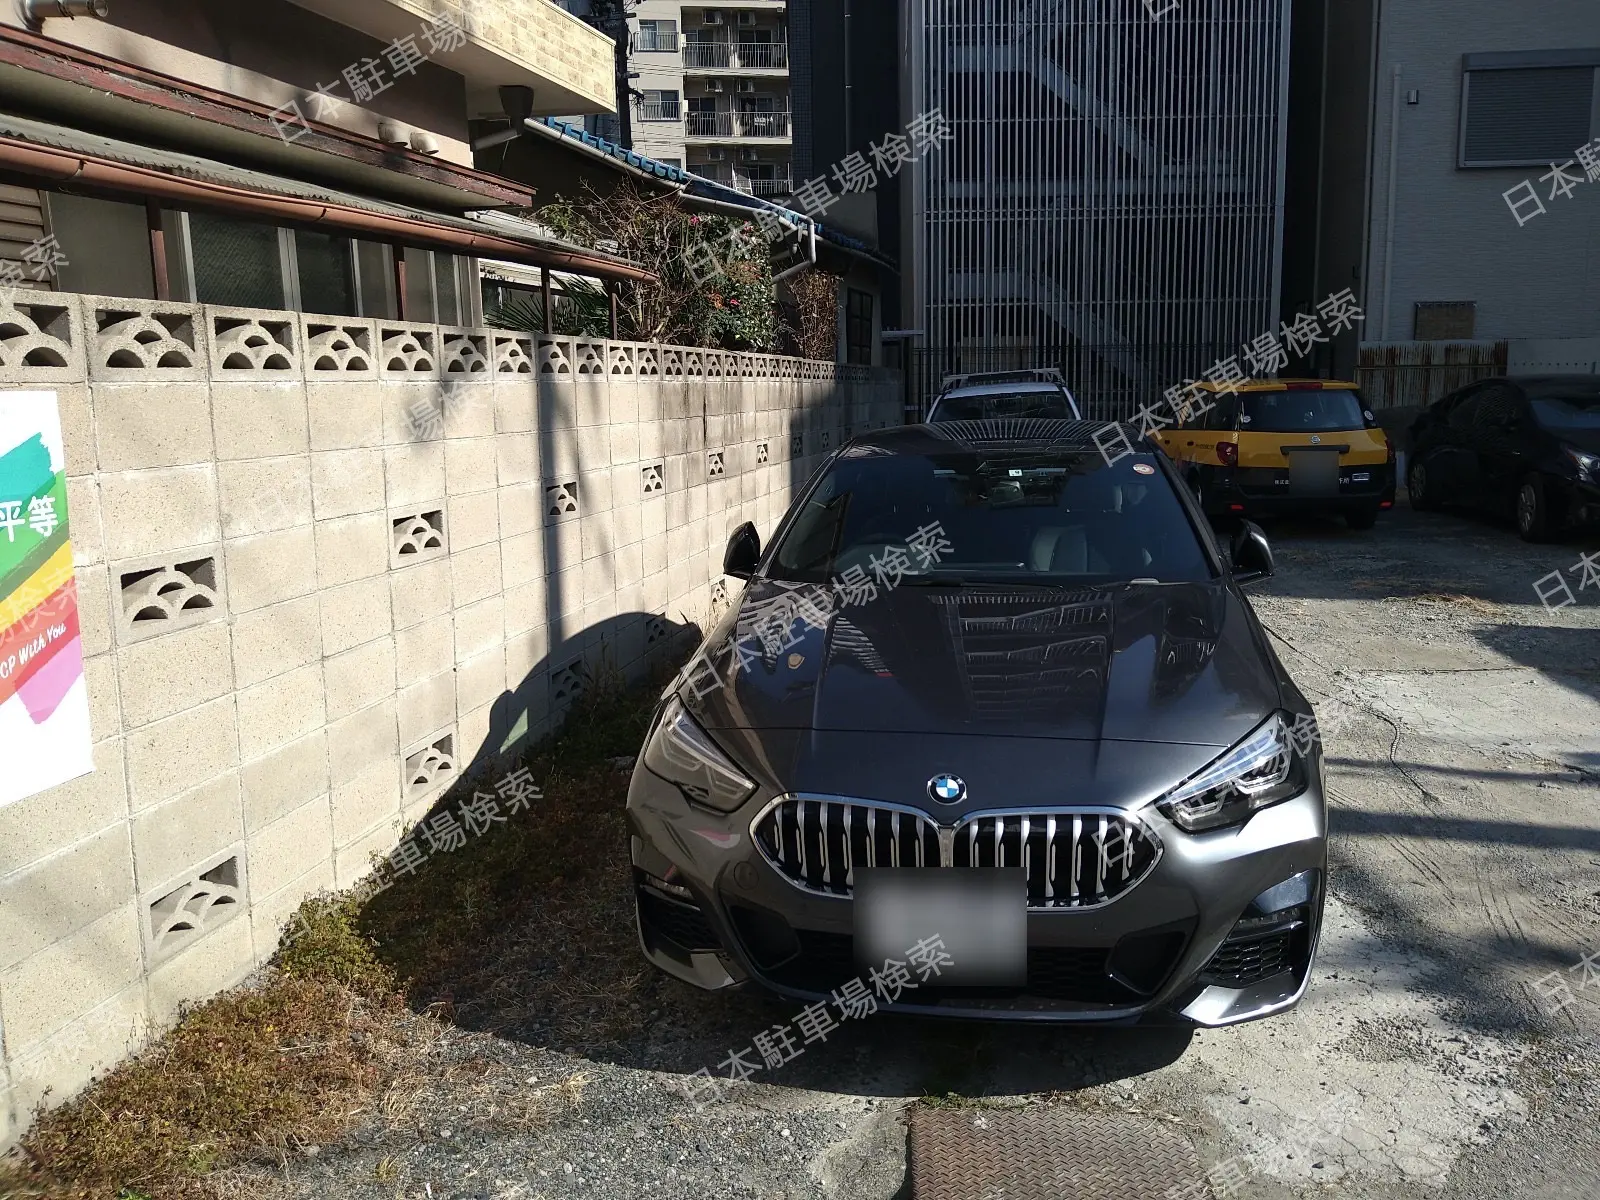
1111 202
1410 374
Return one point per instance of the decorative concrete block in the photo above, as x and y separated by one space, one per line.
351 548
420 592
413 473
408 351
171 839
424 650
289 847
359 677
270 568
260 495
64 981
259 420
338 347
41 339
363 738
252 344
50 900
171 755
479 627
144 425
418 534
345 482
152 512
344 415
276 712
355 613
284 779
163 676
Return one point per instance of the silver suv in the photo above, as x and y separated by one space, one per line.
1040 392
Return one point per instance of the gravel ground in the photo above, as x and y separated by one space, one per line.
1462 728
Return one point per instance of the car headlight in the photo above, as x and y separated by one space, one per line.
1587 464
1262 769
683 754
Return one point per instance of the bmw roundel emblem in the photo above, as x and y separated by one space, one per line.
947 789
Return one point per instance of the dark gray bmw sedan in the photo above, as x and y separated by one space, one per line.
994 690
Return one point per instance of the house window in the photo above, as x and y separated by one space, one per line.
239 263
326 267
858 326
1527 109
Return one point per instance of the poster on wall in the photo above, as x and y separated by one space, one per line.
44 701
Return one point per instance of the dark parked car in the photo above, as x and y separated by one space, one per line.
1056 739
1525 447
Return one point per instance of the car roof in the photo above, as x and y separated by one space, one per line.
1004 433
1277 385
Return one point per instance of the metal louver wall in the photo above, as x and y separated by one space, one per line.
1112 201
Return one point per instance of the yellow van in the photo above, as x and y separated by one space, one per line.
1279 446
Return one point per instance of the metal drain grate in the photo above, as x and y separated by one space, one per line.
1046 1154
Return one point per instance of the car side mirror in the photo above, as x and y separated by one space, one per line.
743 554
1252 554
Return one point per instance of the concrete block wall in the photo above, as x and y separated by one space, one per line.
325 567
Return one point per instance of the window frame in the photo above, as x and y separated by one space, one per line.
1521 60
852 320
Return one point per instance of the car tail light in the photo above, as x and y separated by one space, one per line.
1388 457
1228 452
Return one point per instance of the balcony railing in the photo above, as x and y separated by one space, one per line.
660 110
736 125
735 56
763 187
768 56
652 39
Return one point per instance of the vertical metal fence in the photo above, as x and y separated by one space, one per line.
1111 201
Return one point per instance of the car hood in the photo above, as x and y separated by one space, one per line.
1173 663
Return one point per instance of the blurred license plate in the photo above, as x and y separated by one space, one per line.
979 914
1313 472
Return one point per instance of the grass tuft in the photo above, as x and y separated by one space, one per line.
527 926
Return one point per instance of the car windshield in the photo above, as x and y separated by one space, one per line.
988 406
1573 409
1308 411
1031 516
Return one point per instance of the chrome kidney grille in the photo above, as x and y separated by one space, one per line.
1073 858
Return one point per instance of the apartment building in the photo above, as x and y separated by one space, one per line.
712 91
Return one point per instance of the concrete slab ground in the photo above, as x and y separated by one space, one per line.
1448 1047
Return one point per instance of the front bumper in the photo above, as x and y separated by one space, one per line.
715 912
